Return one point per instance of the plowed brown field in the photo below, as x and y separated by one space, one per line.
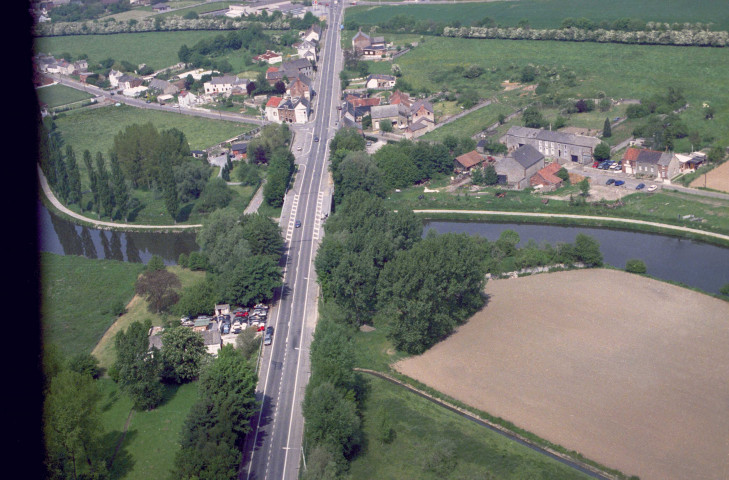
718 178
630 372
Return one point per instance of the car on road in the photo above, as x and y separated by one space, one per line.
640 186
298 223
652 188
610 181
298 148
316 139
619 182
268 337
148 101
269 330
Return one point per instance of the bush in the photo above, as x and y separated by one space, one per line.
182 261
85 364
725 290
155 263
635 266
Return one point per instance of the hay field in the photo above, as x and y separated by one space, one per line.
718 178
631 372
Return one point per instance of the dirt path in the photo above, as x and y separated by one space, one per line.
583 217
637 382
50 195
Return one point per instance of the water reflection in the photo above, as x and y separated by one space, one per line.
62 237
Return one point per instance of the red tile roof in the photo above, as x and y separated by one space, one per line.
546 176
273 101
631 154
272 69
469 159
364 102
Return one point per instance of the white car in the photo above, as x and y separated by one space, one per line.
652 188
298 148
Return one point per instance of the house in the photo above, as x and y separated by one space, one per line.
359 107
164 99
161 7
689 163
301 110
385 113
212 341
198 153
547 178
202 324
269 57
378 42
309 55
650 163
127 81
422 109
303 47
563 147
81 65
481 145
360 41
313 34
222 309
187 99
272 109
134 91
286 111
196 74
163 86
520 165
374 53
239 152
224 84
399 98
273 75
418 128
301 87
293 68
467 161
380 82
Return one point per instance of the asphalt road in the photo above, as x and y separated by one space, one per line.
273 450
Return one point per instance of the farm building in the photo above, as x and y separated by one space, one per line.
520 165
650 163
563 147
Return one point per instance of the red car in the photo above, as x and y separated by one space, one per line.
261 328
595 164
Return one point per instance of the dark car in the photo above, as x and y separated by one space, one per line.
316 139
269 330
619 182
610 181
640 186
298 223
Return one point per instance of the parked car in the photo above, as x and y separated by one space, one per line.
652 188
316 139
369 144
610 181
298 148
269 330
595 164
268 336
640 186
226 328
619 182
298 223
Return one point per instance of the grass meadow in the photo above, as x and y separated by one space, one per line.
620 71
432 442
57 95
77 296
549 14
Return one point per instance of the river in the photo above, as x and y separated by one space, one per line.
676 259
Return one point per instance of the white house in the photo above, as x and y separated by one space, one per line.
301 111
187 99
272 109
378 81
134 91
114 78
224 84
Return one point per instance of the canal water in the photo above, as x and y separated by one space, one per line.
690 262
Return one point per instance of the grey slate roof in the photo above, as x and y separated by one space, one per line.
422 103
526 155
665 159
384 111
649 156
211 337
551 136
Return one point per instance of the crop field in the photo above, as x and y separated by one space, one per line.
211 7
549 14
94 129
433 443
57 95
638 382
620 71
718 179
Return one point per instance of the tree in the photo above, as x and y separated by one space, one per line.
247 342
724 290
172 202
584 187
533 118
85 364
587 250
332 355
601 152
716 154
357 171
383 425
106 202
563 174
155 263
92 179
61 175
250 88
367 122
635 266
489 175
72 427
159 288
182 354
215 195
119 189
196 299
507 242
262 234
74 177
251 281
605 104
138 368
331 419
229 382
606 129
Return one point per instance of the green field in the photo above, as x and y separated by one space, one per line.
550 13
57 95
156 49
94 129
208 7
620 71
432 442
77 297
152 438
